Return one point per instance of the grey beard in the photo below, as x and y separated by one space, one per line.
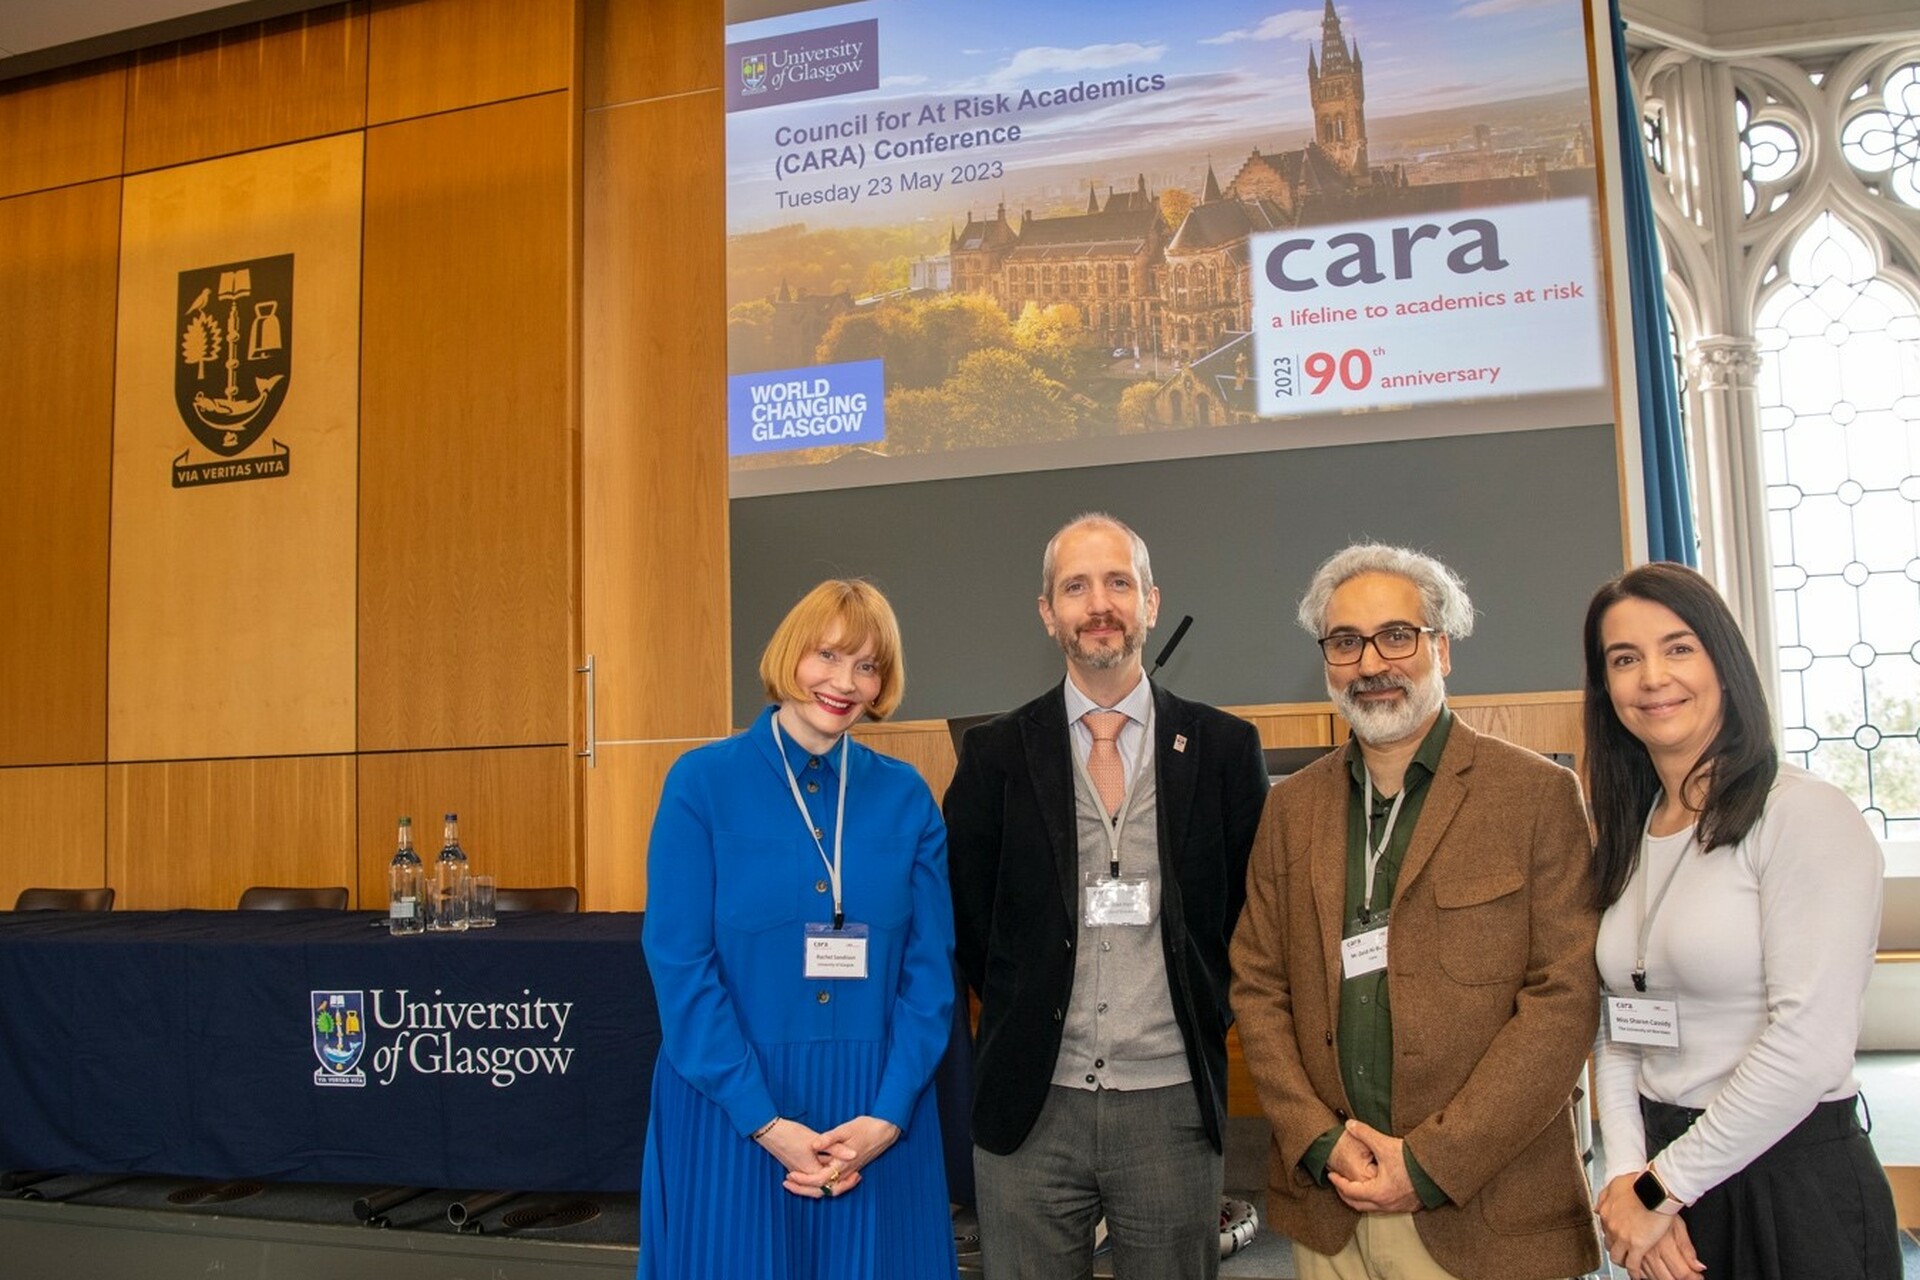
1104 658
1380 725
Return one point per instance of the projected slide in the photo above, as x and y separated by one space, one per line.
965 240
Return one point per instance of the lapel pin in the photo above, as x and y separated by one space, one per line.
1179 742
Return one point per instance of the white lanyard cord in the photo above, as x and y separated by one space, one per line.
1375 853
839 820
1648 910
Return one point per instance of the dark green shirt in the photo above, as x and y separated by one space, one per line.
1366 1016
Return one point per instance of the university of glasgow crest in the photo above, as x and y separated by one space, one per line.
234 344
753 72
339 1036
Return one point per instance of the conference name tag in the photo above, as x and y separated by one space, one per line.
1363 953
836 953
1118 900
1650 1021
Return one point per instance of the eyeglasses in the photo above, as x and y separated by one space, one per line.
1391 643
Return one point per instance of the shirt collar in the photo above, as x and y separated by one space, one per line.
1136 704
799 759
1425 762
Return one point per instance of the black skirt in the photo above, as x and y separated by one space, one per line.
1813 1206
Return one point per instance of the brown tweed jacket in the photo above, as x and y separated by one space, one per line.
1494 995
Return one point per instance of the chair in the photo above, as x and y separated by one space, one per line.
269 897
65 900
562 897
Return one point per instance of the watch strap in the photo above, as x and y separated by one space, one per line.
1653 1192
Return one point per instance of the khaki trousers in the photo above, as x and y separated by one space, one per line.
1385 1246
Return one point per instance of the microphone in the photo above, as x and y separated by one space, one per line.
1173 642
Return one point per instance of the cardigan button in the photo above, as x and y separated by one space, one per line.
823 997
819 886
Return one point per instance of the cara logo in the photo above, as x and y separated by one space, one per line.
339 1037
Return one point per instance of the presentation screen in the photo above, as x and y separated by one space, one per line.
1002 237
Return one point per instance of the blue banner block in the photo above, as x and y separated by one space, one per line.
786 409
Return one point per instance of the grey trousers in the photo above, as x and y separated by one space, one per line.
1139 1157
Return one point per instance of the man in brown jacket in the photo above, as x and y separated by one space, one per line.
1419 1089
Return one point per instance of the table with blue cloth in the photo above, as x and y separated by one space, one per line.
313 1046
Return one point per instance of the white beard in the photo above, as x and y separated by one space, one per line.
1381 725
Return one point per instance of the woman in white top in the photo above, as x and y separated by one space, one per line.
1742 901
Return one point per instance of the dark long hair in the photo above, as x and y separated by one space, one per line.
1739 764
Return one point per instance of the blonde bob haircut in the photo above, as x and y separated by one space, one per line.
847 612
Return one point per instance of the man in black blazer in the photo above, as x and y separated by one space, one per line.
1097 844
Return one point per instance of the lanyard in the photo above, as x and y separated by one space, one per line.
839 820
1649 910
1375 853
1116 825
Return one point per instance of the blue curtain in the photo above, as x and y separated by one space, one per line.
1663 457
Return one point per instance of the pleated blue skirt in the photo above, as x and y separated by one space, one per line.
711 1203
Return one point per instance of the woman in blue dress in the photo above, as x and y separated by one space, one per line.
799 935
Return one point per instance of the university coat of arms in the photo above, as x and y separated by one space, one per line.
339 1022
235 348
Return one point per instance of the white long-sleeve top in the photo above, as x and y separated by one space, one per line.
1768 945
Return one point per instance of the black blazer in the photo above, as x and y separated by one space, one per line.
1014 860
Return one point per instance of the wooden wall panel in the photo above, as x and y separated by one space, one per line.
59 262
466 447
426 56
195 833
516 815
924 744
622 792
1304 724
53 829
62 127
1906 1194
259 85
232 623
637 49
1537 721
655 597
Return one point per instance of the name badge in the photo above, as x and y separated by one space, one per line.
836 953
1363 953
1650 1020
1118 900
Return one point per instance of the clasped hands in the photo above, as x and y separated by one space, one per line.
823 1165
1651 1246
1369 1171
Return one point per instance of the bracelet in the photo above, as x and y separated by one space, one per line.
766 1128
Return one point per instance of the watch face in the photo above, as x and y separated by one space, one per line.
1648 1188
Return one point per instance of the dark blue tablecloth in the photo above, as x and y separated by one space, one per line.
189 1043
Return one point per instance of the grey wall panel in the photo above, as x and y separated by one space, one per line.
1530 519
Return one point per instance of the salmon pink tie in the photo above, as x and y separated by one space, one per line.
1103 760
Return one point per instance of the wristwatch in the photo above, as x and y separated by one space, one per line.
1653 1193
